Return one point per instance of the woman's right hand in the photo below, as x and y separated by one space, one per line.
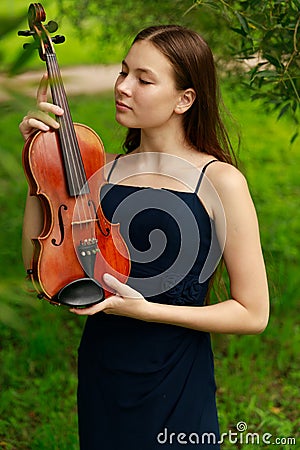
39 119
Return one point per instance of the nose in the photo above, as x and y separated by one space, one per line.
123 85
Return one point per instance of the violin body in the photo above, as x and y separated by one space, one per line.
65 170
56 261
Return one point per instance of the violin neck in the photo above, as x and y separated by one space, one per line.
75 173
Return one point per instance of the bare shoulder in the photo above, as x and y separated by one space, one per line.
231 188
226 178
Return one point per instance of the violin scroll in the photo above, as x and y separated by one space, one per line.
40 32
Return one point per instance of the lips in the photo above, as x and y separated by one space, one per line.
122 106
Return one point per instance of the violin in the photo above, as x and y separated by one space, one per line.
64 169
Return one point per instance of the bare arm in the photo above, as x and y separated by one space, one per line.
247 311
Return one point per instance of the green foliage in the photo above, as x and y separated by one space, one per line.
101 32
38 377
119 20
268 33
261 372
265 34
115 22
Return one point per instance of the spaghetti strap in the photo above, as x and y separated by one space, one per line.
113 166
202 174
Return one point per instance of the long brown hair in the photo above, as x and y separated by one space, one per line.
193 64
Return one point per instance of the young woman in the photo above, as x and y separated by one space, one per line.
146 377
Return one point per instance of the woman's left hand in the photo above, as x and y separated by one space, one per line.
125 302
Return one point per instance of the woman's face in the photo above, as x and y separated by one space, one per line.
145 91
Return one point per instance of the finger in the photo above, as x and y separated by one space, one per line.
120 288
34 124
42 89
37 117
91 310
28 126
42 98
50 108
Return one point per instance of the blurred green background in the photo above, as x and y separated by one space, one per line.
258 377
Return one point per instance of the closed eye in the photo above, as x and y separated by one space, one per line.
144 81
141 80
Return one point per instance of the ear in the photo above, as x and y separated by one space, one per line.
185 101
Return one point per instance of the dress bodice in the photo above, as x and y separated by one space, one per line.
171 241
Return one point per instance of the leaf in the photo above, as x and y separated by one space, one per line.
255 24
274 61
294 137
239 31
243 22
294 106
297 3
266 74
213 5
283 110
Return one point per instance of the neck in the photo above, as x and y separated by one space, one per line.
170 140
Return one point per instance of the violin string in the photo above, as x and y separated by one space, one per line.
67 128
55 83
70 143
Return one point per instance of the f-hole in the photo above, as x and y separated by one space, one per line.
106 231
61 226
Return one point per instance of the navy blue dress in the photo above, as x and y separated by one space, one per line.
142 385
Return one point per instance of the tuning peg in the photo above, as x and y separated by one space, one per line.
51 26
58 39
26 33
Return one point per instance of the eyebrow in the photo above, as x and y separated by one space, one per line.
140 69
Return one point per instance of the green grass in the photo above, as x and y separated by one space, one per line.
257 376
